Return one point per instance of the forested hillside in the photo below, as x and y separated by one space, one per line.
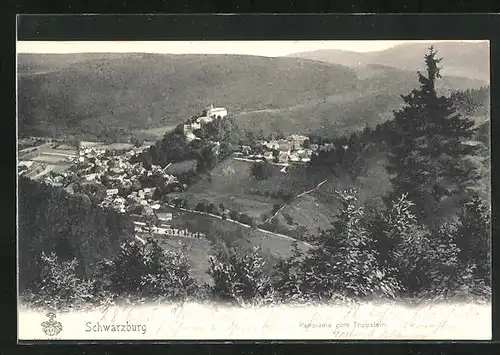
117 96
70 225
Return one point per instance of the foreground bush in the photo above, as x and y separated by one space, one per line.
167 274
443 262
239 278
385 256
138 273
473 237
58 287
342 265
148 271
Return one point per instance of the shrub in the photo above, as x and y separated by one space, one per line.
200 207
473 237
167 274
426 263
343 264
288 278
123 274
234 215
58 287
212 209
147 271
240 278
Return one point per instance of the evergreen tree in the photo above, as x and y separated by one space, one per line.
428 144
344 263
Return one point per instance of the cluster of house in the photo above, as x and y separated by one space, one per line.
93 166
206 117
29 168
137 201
283 151
117 169
162 227
292 149
41 156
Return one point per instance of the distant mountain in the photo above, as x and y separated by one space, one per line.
470 60
105 95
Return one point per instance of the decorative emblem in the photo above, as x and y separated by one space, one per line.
51 327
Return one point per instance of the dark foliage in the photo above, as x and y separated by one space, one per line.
428 144
261 170
70 224
348 154
473 237
239 278
58 287
472 101
148 271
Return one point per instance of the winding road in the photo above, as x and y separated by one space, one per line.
278 235
239 223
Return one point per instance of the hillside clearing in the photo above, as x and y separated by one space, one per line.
233 234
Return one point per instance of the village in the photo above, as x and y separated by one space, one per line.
111 175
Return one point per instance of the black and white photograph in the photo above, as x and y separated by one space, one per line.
254 190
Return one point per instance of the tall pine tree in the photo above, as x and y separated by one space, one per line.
428 146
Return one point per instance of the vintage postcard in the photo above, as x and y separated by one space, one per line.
274 190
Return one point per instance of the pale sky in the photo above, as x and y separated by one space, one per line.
262 48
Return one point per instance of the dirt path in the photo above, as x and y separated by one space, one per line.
311 190
298 196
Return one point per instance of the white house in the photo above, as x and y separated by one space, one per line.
216 112
187 128
111 192
203 119
165 217
191 137
294 157
90 177
297 140
268 156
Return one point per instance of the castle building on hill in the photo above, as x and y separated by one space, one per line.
211 113
216 112
208 116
